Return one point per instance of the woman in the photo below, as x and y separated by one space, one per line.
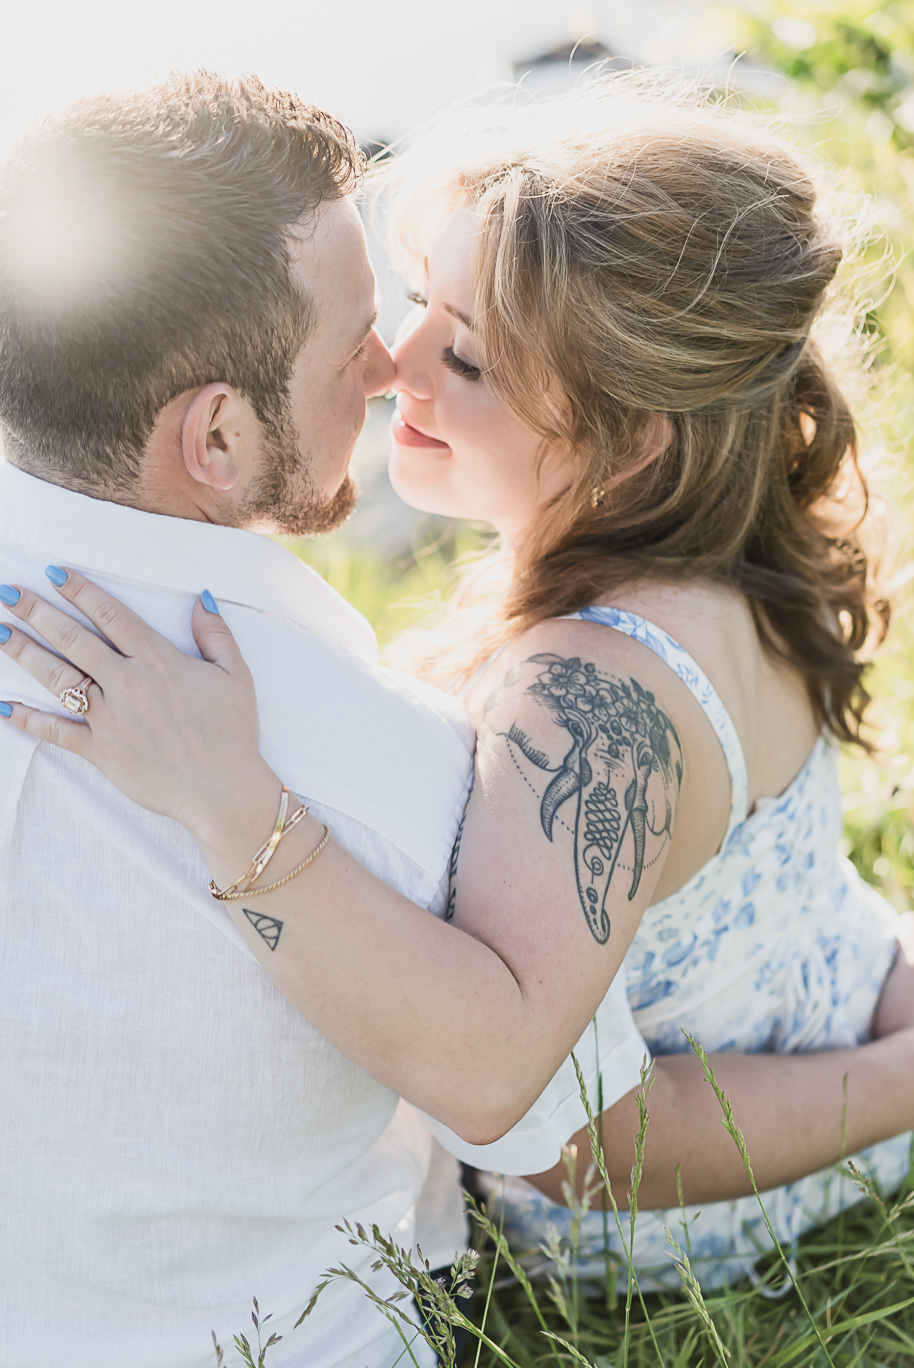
612 362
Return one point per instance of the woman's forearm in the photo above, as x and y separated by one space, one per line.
469 1019
462 1045
470 1048
796 1114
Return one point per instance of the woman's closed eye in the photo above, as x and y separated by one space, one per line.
454 363
457 364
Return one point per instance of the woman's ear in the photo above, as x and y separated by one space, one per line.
664 434
212 434
656 437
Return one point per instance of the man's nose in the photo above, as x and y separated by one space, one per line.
380 369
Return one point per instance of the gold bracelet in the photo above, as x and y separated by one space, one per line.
256 892
264 855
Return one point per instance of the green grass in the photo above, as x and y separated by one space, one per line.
851 1303
861 1301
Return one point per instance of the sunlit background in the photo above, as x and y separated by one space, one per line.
842 70
381 66
384 68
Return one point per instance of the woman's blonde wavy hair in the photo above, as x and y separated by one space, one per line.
646 251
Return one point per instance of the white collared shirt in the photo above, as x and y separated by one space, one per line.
174 1138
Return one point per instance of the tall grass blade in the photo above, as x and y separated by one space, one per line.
485 1222
738 1139
599 1158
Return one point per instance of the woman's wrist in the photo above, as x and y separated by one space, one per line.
234 825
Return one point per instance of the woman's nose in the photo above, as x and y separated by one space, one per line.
409 354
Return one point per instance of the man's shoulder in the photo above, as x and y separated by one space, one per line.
394 755
297 670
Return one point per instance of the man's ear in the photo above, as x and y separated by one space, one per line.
212 435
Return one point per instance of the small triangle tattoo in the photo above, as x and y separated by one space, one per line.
268 928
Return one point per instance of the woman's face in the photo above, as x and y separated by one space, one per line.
457 448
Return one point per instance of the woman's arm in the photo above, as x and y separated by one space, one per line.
798 1113
790 1108
578 774
541 922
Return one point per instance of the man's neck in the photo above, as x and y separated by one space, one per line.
40 470
142 496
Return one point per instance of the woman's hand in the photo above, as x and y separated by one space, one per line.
177 735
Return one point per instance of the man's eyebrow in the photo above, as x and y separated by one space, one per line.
365 331
455 313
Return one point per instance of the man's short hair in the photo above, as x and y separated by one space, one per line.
144 251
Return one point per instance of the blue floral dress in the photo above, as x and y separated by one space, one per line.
775 945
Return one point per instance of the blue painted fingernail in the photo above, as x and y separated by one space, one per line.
9 595
4 634
55 575
5 710
209 603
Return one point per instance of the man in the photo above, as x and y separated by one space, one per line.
186 348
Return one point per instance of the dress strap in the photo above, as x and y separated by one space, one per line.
695 679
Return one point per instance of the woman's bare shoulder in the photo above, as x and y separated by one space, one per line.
569 641
711 623
597 669
572 710
765 696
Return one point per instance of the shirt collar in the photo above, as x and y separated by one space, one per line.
175 553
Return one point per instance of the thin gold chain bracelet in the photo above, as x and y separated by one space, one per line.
241 887
256 892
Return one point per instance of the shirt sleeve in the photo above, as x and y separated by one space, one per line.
612 1055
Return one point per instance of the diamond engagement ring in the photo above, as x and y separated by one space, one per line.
75 700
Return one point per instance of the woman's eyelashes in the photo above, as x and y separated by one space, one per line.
458 366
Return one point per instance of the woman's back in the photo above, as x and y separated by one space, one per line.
771 942
765 700
759 938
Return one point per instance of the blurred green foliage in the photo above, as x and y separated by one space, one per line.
848 83
393 594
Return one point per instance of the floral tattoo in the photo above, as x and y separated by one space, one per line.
622 772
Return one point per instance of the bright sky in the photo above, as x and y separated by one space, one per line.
381 66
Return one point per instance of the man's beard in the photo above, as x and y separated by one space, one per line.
283 494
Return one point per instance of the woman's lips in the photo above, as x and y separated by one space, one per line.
409 436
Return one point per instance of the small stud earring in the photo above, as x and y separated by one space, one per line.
597 496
